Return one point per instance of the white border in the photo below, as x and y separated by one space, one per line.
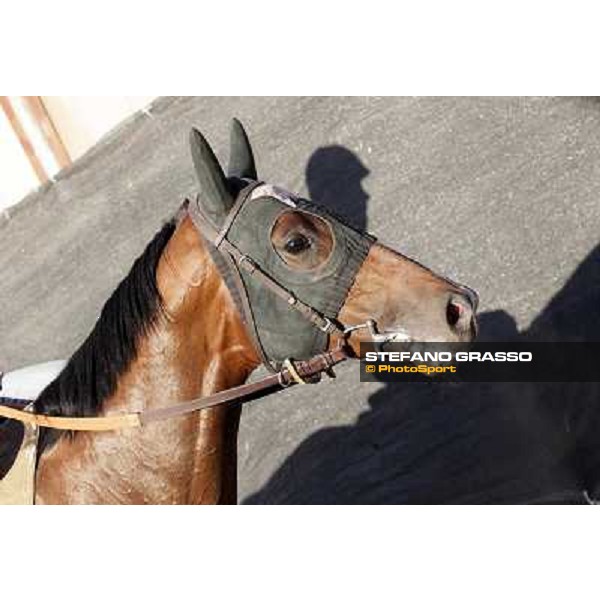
273 48
302 552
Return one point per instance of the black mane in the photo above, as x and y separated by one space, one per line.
92 373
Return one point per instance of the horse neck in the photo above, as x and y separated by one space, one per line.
212 348
213 352
197 347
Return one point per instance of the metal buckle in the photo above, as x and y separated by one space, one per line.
327 327
289 365
378 339
370 324
251 265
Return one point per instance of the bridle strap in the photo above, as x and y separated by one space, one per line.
286 377
234 211
308 312
226 264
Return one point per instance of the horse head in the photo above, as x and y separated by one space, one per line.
307 258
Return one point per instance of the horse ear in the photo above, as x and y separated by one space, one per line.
241 158
215 198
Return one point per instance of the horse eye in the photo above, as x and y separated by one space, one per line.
299 243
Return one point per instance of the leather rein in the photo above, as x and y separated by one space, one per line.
291 372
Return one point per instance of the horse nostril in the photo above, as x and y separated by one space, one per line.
459 310
453 313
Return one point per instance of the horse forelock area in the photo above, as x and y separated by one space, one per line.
93 371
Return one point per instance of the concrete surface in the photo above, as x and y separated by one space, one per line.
499 193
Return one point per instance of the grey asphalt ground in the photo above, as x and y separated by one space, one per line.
499 193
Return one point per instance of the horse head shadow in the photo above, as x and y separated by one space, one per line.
455 442
334 177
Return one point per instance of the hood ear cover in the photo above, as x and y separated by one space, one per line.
216 197
241 158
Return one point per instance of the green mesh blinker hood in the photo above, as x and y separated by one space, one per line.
289 312
284 332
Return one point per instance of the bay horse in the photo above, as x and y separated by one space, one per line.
188 321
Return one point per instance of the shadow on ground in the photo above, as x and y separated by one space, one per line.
455 442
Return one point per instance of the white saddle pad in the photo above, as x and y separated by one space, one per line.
27 383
